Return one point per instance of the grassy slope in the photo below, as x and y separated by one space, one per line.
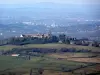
20 65
57 46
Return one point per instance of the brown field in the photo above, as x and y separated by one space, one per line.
66 55
79 57
90 60
88 70
48 72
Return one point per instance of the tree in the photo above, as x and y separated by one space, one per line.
62 37
67 41
54 39
30 71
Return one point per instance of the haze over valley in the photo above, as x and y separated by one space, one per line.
71 19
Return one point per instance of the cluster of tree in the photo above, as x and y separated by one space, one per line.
64 39
29 40
35 40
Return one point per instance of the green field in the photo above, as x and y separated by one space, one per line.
8 62
20 65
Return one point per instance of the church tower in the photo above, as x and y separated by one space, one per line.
49 33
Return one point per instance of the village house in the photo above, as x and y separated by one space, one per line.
15 55
72 42
60 41
36 35
75 42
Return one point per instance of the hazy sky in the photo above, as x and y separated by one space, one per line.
54 1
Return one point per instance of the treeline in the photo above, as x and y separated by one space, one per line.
32 51
35 40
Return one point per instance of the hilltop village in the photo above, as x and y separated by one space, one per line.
48 38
